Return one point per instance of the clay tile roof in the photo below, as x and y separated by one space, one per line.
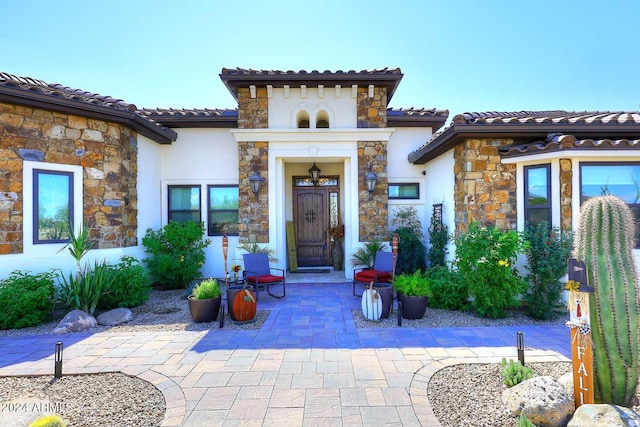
194 117
531 127
559 142
54 89
417 117
235 78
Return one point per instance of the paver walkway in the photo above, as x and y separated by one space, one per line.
307 365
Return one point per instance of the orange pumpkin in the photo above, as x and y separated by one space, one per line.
244 305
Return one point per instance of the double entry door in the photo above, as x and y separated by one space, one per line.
315 209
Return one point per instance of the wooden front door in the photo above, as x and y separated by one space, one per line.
311 212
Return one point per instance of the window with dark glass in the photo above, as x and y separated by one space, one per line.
616 179
223 210
52 206
184 203
537 194
404 191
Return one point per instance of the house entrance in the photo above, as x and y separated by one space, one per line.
315 208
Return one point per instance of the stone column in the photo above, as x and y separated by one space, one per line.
253 212
373 211
566 192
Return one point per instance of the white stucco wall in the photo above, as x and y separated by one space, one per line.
341 109
399 171
439 187
201 157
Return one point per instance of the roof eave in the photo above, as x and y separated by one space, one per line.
197 122
235 81
457 133
70 106
434 122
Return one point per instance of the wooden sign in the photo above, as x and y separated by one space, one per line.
291 247
580 324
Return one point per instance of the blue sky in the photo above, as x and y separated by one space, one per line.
461 55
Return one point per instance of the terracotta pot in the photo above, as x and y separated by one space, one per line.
240 310
413 307
204 310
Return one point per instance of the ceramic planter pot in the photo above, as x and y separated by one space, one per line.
240 311
386 293
413 307
204 310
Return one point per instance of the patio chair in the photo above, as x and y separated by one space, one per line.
258 274
382 272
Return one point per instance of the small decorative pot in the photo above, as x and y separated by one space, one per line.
204 310
413 307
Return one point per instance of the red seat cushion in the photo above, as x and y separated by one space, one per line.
369 275
265 278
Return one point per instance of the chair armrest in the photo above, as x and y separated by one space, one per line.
359 269
278 269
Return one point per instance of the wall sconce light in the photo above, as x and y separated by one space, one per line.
314 174
256 180
370 180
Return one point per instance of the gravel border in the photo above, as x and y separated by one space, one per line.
163 311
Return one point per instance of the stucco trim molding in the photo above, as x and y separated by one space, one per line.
312 135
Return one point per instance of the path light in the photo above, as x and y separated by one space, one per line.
520 345
57 373
256 180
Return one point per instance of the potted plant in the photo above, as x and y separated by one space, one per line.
204 301
241 303
413 292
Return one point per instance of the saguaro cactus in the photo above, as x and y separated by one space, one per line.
605 241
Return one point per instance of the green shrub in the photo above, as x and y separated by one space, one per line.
547 250
415 284
206 289
448 290
177 253
48 421
485 259
367 255
523 421
84 293
130 287
26 299
514 373
438 239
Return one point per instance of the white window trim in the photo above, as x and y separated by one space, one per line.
47 249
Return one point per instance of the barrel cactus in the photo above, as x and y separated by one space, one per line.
605 242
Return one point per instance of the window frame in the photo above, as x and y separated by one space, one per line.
35 225
191 186
549 204
635 207
210 231
400 184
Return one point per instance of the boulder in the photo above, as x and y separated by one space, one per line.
75 321
604 415
114 317
544 400
566 381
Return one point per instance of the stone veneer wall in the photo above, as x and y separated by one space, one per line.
372 112
107 152
253 214
485 189
373 212
566 191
